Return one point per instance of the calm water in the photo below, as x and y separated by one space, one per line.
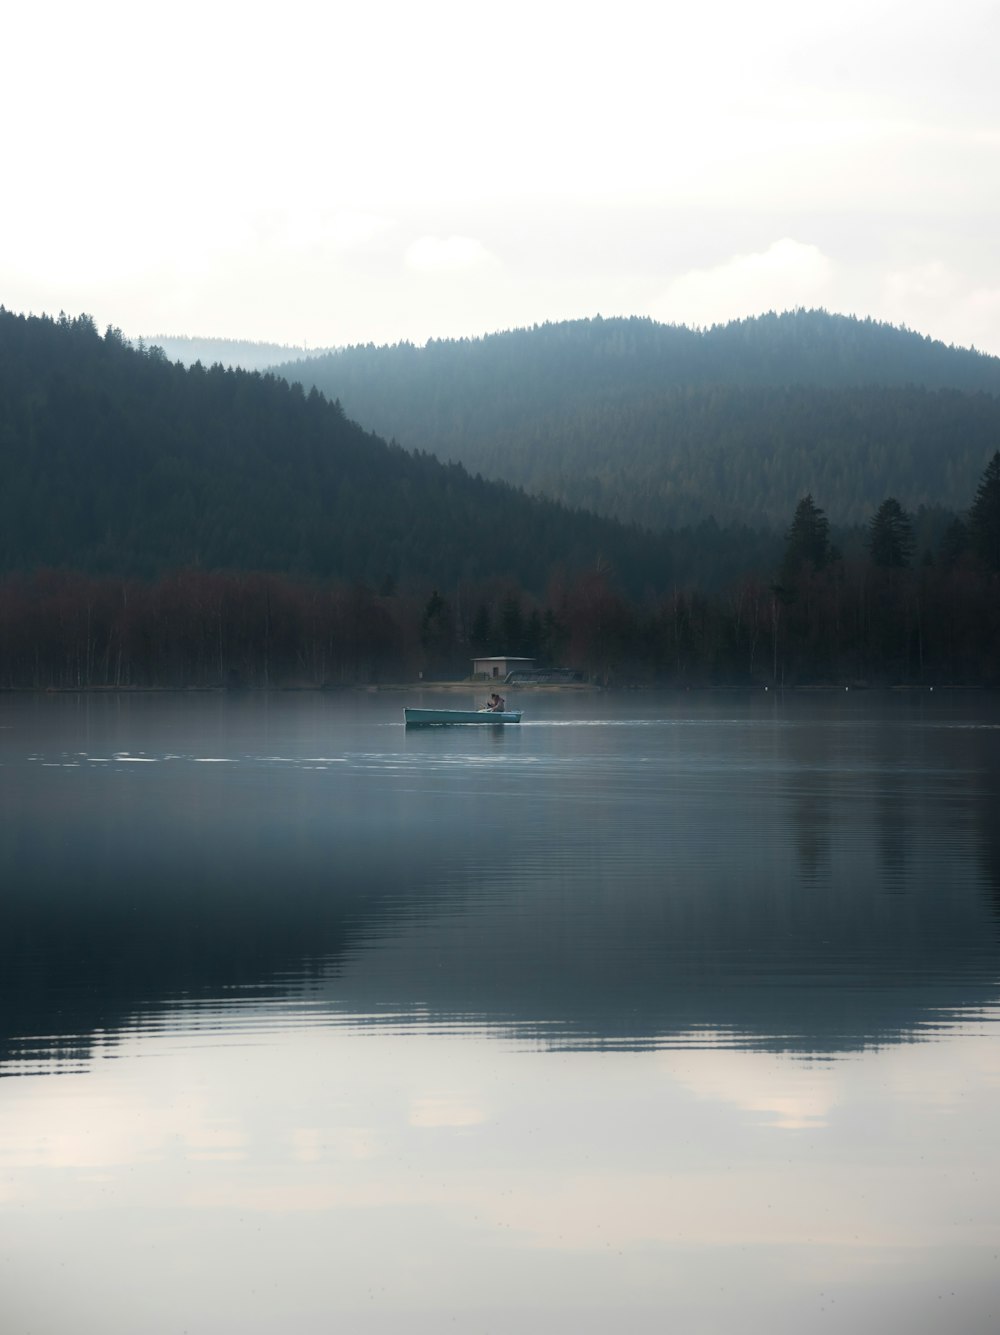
654 1013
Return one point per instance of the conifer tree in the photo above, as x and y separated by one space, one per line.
807 542
890 536
984 516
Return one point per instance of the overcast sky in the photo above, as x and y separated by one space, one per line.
374 171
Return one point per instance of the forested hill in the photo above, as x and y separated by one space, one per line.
664 425
116 460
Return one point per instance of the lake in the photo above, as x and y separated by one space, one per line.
655 1012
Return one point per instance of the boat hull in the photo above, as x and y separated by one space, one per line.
436 718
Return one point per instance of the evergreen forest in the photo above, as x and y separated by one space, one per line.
165 525
669 427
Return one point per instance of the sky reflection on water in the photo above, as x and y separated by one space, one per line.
681 1014
389 1181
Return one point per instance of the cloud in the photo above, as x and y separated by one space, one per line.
932 281
936 299
343 230
348 229
979 315
433 254
787 275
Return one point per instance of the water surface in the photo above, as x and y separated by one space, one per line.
672 1011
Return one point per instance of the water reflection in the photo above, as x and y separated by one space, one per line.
813 877
414 1181
608 1021
986 757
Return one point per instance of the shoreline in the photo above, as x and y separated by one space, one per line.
446 687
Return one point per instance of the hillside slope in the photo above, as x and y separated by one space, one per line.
115 460
666 426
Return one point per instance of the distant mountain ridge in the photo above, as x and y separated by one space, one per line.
163 525
234 353
666 426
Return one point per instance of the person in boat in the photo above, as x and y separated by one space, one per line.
496 704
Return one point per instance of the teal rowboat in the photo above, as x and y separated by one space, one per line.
436 718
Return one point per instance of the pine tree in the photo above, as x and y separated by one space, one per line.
984 516
890 536
807 542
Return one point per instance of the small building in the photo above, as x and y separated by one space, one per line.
497 668
544 677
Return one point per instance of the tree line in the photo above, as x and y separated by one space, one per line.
163 526
872 619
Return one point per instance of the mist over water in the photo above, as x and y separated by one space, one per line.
486 1006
